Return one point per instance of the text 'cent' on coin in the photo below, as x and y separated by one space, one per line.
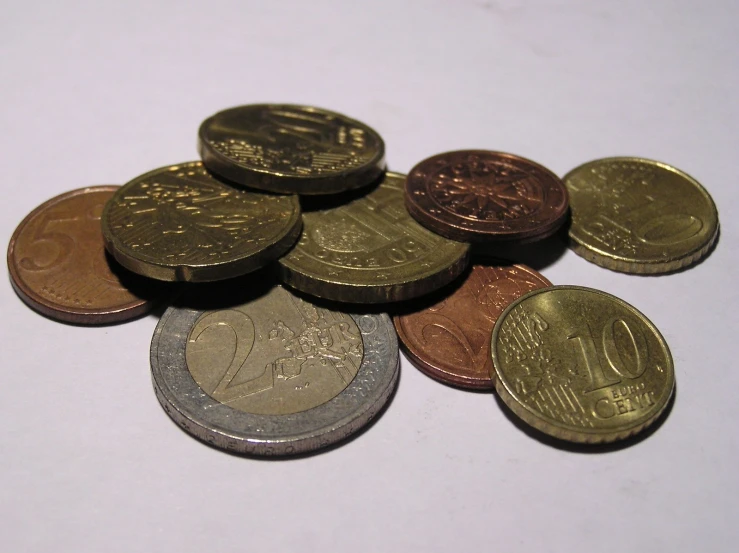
58 264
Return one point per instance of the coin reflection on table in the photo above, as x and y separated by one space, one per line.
450 340
58 264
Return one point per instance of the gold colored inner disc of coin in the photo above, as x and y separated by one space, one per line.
637 215
581 365
276 355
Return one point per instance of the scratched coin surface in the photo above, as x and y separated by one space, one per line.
275 375
639 216
291 149
58 266
482 196
180 223
581 365
450 340
370 250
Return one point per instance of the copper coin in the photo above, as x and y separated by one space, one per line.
58 265
481 196
450 340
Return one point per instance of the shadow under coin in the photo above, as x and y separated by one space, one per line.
588 448
537 255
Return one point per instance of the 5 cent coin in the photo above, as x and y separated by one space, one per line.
639 216
371 251
482 196
180 223
581 365
275 375
450 340
291 149
58 265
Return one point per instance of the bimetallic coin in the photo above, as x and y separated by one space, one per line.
291 149
450 340
274 376
639 216
370 251
180 223
482 196
581 365
58 266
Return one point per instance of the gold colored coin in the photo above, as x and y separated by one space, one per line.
371 250
581 365
291 149
180 223
639 216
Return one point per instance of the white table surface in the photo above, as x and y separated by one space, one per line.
100 92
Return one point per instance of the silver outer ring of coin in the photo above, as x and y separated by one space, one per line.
272 435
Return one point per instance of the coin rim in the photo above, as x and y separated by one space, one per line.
56 311
357 404
560 430
276 181
433 369
624 264
203 272
462 234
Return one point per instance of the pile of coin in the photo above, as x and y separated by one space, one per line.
290 226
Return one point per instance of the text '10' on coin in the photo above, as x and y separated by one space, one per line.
581 365
58 265
371 251
291 149
180 223
639 216
450 340
483 196
273 376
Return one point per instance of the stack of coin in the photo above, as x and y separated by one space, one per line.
291 210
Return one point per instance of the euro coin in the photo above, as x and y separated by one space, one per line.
581 365
179 223
639 216
291 149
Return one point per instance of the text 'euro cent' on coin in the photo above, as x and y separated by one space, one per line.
58 265
449 340
581 365
483 196
275 375
291 149
639 216
370 250
180 223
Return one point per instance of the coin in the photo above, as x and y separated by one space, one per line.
370 250
275 375
450 340
639 216
292 149
58 266
180 223
481 196
581 365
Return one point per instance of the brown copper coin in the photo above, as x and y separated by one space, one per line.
450 340
58 265
481 196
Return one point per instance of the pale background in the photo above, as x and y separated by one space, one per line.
99 92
